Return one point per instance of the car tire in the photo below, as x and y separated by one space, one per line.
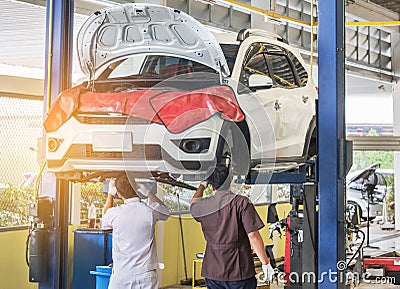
313 145
233 148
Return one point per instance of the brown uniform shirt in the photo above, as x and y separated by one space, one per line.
226 219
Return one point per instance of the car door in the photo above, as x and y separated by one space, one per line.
258 104
293 107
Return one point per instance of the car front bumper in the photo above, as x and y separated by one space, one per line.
78 146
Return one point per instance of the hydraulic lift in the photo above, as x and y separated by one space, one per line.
301 224
331 143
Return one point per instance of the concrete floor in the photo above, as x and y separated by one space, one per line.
275 286
385 240
281 286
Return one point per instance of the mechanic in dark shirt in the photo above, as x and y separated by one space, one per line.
230 226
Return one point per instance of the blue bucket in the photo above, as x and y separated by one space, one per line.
102 274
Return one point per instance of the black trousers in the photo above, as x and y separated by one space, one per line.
250 283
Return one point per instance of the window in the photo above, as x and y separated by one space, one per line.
155 66
230 53
166 66
271 48
21 125
255 63
301 71
126 67
283 73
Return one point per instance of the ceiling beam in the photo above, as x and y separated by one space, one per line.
375 143
16 86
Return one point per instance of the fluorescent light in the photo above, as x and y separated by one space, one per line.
272 20
209 2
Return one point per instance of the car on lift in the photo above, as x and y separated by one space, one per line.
357 193
165 95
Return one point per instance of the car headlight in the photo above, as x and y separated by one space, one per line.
193 146
53 144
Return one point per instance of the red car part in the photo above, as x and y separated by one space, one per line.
389 263
177 110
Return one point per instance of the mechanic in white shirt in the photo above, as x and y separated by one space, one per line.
133 249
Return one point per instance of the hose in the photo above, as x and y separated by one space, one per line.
182 237
359 248
28 238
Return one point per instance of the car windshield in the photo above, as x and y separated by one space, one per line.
152 66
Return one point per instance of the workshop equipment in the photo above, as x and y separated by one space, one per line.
41 220
92 247
301 237
387 264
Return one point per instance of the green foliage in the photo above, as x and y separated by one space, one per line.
169 196
390 195
92 192
170 199
363 159
14 206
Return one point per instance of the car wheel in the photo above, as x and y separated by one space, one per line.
312 148
233 148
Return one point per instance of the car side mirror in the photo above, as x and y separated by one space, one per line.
258 81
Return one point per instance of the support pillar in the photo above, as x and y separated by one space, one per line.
331 143
396 132
59 33
395 39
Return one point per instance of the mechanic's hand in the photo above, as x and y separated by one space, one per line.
112 190
142 191
269 272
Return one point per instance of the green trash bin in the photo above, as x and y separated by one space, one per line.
102 274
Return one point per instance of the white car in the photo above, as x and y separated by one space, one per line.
357 195
165 95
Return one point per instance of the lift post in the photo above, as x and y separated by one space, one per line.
59 33
331 141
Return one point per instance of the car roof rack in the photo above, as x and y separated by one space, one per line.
246 32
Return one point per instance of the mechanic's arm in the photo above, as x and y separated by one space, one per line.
258 245
199 192
160 210
109 203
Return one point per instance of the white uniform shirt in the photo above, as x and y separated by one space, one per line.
134 249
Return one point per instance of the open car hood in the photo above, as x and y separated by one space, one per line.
365 174
127 29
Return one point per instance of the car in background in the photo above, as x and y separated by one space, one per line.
357 195
166 95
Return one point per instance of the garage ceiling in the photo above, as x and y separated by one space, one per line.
393 5
25 31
